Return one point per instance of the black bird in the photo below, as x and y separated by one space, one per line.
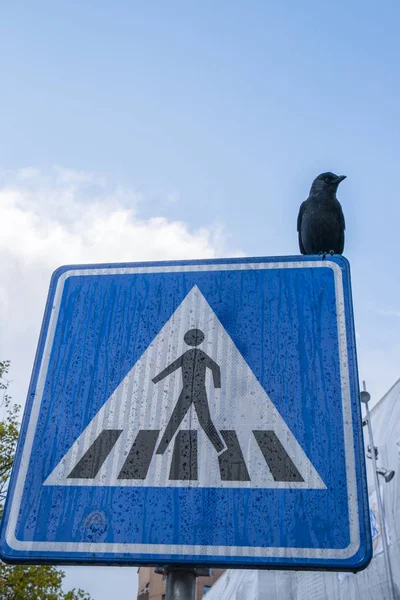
320 222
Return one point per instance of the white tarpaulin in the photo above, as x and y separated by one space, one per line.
370 584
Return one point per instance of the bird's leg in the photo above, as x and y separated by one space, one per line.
323 255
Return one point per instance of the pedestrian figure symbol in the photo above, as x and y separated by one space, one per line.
194 363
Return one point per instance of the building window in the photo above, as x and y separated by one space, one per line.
207 588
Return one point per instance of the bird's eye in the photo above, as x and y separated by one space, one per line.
327 179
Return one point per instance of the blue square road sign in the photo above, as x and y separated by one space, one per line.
197 412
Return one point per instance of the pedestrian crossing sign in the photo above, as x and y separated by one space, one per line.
197 412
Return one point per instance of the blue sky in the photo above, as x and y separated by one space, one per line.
216 115
232 109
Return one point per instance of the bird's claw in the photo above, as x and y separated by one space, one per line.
331 252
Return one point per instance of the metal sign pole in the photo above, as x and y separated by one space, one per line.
181 584
181 581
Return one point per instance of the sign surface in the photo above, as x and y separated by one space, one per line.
201 412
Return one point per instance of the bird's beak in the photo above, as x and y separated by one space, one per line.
339 179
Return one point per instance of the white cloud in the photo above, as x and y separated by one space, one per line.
69 217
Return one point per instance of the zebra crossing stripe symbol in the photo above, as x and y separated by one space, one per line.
189 413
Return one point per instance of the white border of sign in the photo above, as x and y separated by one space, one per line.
195 550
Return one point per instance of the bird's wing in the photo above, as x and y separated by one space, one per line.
299 218
341 243
302 249
300 215
342 222
342 228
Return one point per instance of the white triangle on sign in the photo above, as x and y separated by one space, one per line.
239 405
